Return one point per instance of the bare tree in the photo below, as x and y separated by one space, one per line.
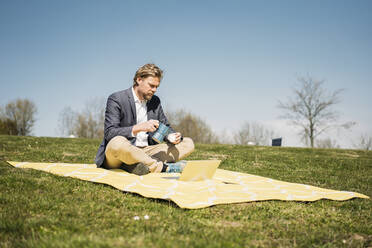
7 126
66 121
19 116
311 109
365 142
327 143
81 126
87 123
242 136
225 137
192 126
254 133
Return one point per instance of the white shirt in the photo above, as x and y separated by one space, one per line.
141 113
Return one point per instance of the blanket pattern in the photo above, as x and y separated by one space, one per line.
225 187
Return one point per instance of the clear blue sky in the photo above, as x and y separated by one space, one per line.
226 61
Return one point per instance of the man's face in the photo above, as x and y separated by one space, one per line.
147 87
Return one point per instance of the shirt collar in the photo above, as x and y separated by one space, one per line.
136 99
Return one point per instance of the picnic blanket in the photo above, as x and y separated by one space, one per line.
225 187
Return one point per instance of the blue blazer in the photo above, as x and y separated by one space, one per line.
120 117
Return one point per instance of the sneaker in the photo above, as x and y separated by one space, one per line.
137 169
176 167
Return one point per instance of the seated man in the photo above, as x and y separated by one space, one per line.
131 117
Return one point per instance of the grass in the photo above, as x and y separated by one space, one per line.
38 209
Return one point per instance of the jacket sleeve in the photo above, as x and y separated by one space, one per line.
112 120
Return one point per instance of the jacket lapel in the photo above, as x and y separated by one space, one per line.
132 104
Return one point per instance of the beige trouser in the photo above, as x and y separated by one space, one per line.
119 150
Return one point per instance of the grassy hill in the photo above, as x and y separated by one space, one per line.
38 209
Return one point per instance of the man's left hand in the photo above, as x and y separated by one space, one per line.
174 138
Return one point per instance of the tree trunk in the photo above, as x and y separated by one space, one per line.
311 135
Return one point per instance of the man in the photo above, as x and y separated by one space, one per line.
131 118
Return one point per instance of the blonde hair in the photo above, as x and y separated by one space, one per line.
148 70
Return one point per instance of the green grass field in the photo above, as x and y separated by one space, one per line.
38 209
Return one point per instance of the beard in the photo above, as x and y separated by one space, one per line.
148 96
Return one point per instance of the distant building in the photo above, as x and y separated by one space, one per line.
276 142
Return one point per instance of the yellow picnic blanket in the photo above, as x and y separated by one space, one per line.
225 187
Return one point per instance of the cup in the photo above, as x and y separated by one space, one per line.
161 133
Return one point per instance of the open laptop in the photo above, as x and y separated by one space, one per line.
198 170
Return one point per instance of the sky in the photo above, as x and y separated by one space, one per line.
227 62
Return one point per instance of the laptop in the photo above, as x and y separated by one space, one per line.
198 170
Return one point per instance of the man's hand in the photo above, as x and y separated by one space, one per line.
174 138
148 126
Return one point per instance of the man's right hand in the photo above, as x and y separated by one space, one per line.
148 126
